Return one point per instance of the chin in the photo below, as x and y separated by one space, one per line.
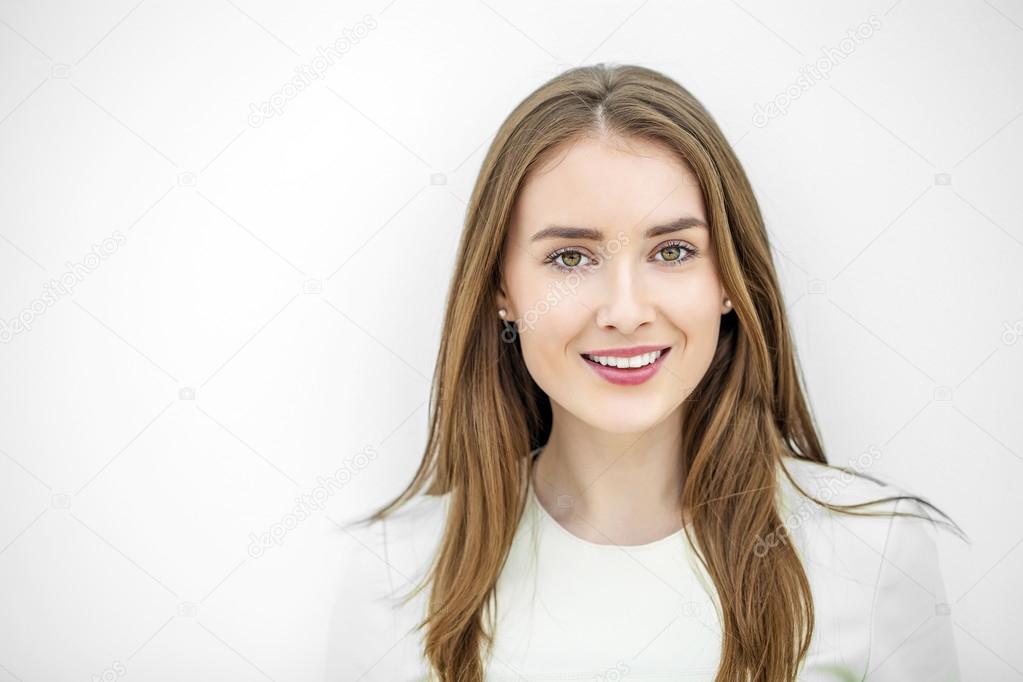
623 416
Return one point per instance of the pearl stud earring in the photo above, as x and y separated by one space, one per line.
503 313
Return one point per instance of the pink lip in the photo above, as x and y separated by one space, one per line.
628 377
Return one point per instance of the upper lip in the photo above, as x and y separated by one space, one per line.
625 352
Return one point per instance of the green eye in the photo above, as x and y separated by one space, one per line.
568 259
675 250
676 253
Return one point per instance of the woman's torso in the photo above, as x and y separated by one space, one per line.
569 609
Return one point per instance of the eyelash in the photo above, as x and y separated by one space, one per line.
689 253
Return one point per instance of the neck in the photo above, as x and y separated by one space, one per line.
613 488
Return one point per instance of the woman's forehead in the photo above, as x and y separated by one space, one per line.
606 185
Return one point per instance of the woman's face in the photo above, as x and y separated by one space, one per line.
608 250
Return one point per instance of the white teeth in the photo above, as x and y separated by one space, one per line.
634 361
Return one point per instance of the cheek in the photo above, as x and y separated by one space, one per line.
547 330
694 315
698 316
546 309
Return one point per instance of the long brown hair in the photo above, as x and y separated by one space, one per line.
749 409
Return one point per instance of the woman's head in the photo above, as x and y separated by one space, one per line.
619 150
628 154
609 247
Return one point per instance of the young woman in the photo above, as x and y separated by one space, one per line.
623 478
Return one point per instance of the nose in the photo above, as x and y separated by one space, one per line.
626 305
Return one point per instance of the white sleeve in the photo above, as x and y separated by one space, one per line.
911 626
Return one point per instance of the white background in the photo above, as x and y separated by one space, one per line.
274 308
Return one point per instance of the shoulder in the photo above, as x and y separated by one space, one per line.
887 528
891 528
815 528
877 583
372 634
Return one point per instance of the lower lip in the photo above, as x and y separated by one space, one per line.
627 377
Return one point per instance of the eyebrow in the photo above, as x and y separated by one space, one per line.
589 233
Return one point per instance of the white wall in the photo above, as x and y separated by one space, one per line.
266 307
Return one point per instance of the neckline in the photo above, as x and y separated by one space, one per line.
677 536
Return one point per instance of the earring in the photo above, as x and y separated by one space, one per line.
510 331
728 303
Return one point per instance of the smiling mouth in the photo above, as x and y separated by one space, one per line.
635 362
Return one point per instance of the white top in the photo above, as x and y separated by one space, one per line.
570 609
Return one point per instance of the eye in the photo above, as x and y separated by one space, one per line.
676 252
568 259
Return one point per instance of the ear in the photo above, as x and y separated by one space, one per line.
503 302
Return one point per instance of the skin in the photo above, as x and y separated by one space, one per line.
611 472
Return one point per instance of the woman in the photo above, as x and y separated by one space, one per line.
622 477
